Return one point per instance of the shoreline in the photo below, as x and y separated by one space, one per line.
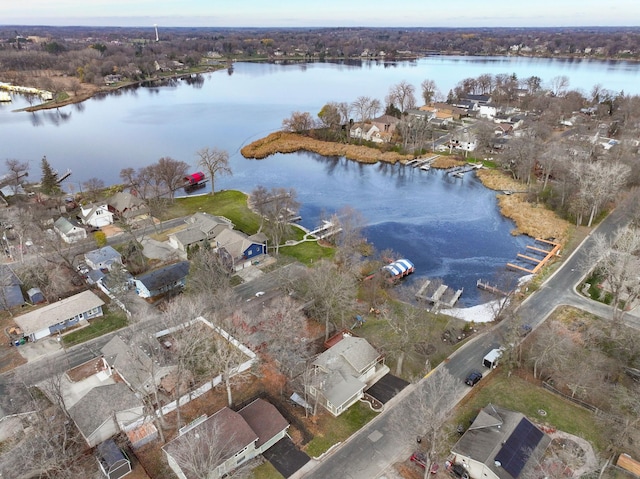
530 219
105 90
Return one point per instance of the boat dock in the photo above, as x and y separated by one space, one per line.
485 286
438 294
325 230
422 163
545 247
459 171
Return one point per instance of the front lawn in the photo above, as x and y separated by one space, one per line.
519 395
332 430
111 321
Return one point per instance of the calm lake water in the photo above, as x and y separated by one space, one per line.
451 229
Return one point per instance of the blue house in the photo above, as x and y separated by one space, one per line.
238 249
162 280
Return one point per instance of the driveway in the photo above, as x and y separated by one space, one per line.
158 250
286 457
387 387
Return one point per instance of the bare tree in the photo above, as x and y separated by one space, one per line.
559 85
276 207
430 406
549 349
404 320
207 274
298 122
429 90
402 96
200 452
17 169
92 187
171 173
329 293
215 161
365 108
617 259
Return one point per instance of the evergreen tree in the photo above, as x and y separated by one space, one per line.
49 183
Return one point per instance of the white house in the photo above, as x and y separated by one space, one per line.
342 373
368 132
56 317
96 215
69 230
227 439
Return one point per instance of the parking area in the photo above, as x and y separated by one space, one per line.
387 387
286 457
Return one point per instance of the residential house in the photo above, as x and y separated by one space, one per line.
94 215
104 410
478 99
162 280
238 250
127 206
10 288
201 227
227 439
343 372
386 123
103 258
113 463
56 317
500 444
488 111
367 132
69 230
134 365
455 112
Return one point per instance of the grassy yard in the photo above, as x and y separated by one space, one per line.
519 395
266 471
308 252
112 320
333 430
228 203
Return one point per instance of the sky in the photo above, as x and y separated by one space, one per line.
319 13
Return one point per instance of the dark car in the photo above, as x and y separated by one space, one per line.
473 377
459 471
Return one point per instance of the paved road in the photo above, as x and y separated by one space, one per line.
377 446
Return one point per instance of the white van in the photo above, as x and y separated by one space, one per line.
492 358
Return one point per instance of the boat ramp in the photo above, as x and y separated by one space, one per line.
438 294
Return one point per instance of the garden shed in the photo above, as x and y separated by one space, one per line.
35 296
113 462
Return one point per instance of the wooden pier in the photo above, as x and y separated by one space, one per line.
422 163
485 286
440 295
550 251
459 171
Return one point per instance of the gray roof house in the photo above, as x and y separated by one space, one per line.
10 291
162 280
69 230
133 364
227 438
201 227
343 372
105 411
58 316
102 258
238 249
500 444
127 206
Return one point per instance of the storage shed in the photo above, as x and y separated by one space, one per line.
35 296
113 462
400 268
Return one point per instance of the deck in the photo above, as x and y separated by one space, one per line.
440 295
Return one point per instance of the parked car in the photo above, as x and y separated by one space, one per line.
83 269
457 470
524 330
421 460
473 377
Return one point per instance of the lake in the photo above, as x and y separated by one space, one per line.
451 229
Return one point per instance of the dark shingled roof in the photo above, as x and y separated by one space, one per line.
158 278
264 419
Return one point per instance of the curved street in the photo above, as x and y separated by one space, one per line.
372 451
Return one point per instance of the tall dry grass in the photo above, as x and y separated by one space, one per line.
283 142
